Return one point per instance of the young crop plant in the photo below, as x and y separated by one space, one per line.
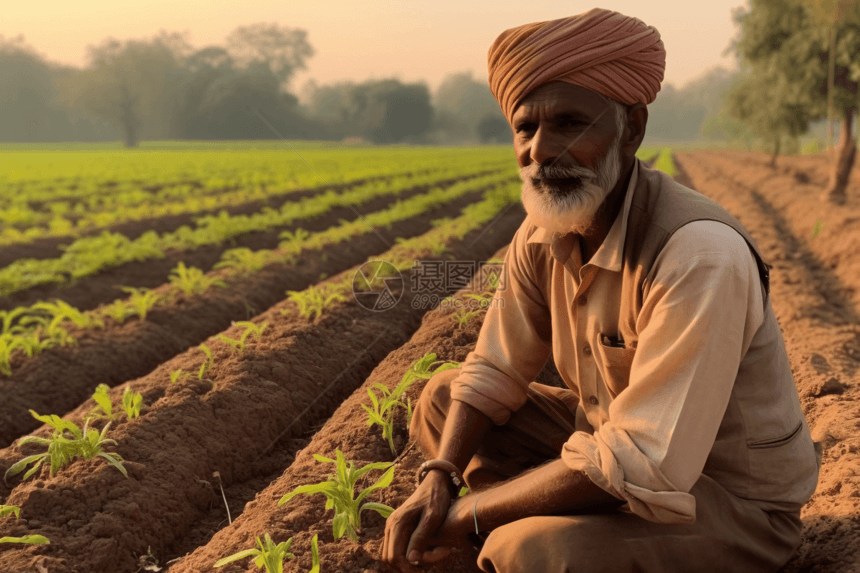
179 375
250 328
339 490
6 510
131 403
118 310
8 344
192 280
207 364
66 442
383 409
313 300
267 555
244 261
62 311
294 240
142 300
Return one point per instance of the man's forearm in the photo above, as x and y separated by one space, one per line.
465 428
553 488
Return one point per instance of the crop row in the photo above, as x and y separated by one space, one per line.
22 222
223 421
45 325
108 358
89 255
40 178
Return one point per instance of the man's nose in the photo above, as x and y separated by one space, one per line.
547 147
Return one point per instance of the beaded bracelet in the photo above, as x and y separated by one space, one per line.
447 467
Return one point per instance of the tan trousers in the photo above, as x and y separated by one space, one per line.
729 534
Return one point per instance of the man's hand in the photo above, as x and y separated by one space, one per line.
423 519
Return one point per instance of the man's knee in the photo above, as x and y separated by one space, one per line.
555 544
428 417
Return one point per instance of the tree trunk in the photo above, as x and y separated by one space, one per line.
842 162
776 146
127 117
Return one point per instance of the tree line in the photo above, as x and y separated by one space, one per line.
163 89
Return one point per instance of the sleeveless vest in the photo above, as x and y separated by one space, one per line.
763 449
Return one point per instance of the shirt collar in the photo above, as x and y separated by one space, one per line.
610 253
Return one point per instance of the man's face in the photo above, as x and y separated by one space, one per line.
567 167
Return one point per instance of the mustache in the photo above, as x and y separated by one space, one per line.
542 172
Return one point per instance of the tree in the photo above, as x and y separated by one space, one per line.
493 128
461 103
755 101
282 50
783 39
133 85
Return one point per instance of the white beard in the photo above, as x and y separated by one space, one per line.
572 209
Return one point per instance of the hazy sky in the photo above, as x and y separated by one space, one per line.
366 39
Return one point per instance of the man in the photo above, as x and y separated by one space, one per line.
680 443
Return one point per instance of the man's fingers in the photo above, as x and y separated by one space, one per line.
427 526
436 554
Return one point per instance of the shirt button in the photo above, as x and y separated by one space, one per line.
587 350
593 400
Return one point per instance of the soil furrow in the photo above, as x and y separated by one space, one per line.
58 379
48 247
821 331
103 287
347 431
98 520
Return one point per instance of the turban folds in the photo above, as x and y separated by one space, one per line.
601 50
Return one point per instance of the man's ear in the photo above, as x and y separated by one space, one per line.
637 121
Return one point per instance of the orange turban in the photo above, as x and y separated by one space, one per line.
601 50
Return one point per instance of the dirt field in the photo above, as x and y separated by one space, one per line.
235 423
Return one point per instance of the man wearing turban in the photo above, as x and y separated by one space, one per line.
679 443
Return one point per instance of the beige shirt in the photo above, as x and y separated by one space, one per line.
647 444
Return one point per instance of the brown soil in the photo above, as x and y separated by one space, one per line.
58 379
105 286
294 378
305 516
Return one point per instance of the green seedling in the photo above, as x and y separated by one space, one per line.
816 229
244 261
61 311
312 301
315 555
131 403
340 490
8 344
7 510
7 316
66 442
250 328
207 364
31 539
192 280
118 310
267 555
142 300
384 405
178 376
294 240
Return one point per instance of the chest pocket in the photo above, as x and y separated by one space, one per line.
615 366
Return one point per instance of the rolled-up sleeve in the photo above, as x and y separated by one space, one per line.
514 342
697 321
